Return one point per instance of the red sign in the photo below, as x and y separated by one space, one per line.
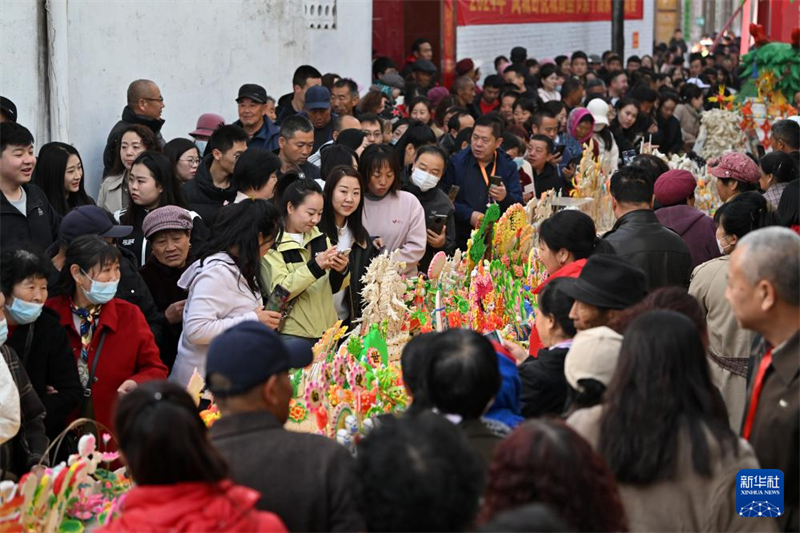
475 12
448 42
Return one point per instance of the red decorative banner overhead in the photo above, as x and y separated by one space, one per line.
475 12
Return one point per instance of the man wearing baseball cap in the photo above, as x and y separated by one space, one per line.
607 285
304 478
318 110
674 192
262 132
736 173
93 220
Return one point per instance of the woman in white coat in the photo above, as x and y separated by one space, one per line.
223 283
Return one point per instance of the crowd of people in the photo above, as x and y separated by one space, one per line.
663 359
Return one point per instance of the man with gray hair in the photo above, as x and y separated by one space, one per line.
764 293
144 107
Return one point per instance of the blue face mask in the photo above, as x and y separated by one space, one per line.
3 332
23 312
519 162
201 145
101 292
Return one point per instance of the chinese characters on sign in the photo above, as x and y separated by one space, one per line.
474 12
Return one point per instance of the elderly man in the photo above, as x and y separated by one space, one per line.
144 107
764 293
252 107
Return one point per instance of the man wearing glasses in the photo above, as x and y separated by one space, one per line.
145 104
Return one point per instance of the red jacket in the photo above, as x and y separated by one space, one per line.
190 507
571 270
129 351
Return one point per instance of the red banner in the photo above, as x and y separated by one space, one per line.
475 12
448 42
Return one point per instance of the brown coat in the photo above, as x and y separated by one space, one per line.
775 434
689 502
728 344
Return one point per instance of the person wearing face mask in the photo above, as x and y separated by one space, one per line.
729 344
342 222
111 342
206 125
23 441
306 264
429 165
35 334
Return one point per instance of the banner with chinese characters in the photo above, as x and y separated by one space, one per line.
475 12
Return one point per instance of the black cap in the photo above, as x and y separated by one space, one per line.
423 65
248 354
254 92
8 108
608 282
90 220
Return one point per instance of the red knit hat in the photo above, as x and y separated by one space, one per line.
674 186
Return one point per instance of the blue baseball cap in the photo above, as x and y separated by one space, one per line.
90 220
318 97
248 354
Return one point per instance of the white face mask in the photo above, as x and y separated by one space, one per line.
722 246
423 180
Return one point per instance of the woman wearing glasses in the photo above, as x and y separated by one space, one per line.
184 156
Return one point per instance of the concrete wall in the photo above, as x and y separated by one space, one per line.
198 51
543 40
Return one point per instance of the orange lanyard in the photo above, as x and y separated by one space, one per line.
483 170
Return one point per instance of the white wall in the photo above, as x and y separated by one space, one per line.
485 42
198 51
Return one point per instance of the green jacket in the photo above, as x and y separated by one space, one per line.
311 288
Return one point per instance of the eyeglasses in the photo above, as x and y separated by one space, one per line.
192 161
159 99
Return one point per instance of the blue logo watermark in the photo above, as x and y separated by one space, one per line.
759 493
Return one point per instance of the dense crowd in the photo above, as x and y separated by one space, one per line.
664 358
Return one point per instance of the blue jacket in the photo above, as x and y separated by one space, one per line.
473 194
506 406
266 138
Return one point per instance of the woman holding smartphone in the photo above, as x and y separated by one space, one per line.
342 223
305 264
429 165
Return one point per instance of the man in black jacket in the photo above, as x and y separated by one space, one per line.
211 188
26 217
305 479
144 107
640 238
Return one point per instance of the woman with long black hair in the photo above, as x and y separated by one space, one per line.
342 224
663 431
59 173
152 184
223 283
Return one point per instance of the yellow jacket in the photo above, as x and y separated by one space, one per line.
311 288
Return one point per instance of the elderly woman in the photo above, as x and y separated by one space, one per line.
168 230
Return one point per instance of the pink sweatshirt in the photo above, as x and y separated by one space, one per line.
399 220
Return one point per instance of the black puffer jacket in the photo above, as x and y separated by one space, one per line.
434 202
640 238
203 196
544 387
45 352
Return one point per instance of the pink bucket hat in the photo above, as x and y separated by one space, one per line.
207 123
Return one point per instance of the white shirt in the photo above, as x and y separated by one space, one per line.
345 241
297 237
549 96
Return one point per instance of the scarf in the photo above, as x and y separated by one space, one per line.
574 118
88 317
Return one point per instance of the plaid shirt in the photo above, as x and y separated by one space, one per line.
26 449
773 194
